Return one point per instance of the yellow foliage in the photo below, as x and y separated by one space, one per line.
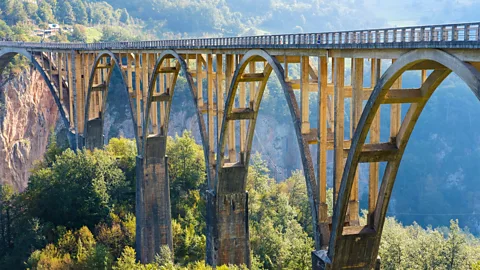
52 259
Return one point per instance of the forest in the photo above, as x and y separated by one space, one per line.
78 213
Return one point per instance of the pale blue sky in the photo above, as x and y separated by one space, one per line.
326 15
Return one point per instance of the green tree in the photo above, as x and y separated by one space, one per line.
31 10
7 195
119 234
65 12
186 167
79 34
127 260
45 12
76 190
18 13
455 248
101 13
5 31
80 11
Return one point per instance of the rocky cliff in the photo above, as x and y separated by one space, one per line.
27 115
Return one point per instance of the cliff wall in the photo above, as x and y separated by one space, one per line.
27 115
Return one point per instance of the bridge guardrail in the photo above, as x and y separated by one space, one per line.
449 33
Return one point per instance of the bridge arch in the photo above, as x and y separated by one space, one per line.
442 65
167 98
153 191
99 81
231 177
7 54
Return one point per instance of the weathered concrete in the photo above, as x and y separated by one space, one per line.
229 222
94 138
154 218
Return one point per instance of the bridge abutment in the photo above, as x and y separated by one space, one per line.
153 207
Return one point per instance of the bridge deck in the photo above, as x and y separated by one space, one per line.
449 36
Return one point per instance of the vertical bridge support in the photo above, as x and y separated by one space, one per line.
95 138
229 220
154 219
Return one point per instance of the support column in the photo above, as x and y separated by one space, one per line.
357 106
395 111
231 234
323 222
153 207
339 136
94 137
374 138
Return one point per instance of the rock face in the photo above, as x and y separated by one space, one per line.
27 115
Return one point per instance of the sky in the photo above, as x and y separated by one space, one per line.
419 12
326 15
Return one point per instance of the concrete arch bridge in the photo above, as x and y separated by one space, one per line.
227 78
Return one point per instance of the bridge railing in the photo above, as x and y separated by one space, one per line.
451 33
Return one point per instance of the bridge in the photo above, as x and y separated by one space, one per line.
227 78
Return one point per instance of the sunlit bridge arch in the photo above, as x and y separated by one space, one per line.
232 172
97 95
153 150
442 64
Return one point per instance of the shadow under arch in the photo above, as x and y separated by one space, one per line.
7 54
154 227
223 180
96 140
443 64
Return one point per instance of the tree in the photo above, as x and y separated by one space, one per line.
31 9
65 12
74 250
5 31
6 222
127 260
125 153
101 13
119 234
45 12
18 13
186 167
76 190
80 11
79 34
454 252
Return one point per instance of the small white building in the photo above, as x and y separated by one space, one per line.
54 27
